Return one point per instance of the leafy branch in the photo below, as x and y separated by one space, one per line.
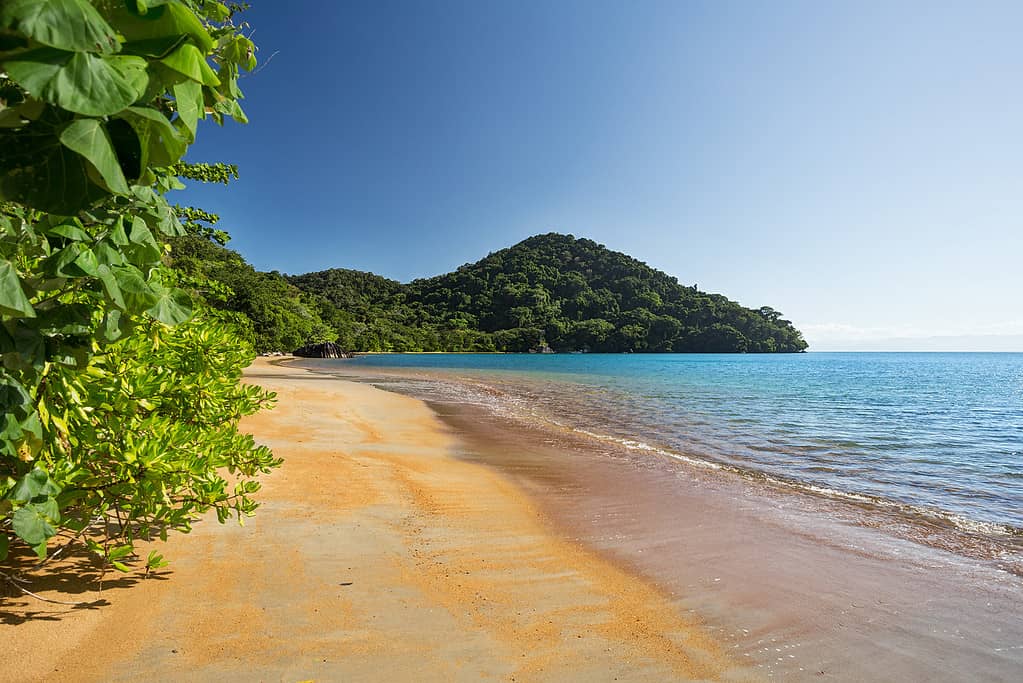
120 391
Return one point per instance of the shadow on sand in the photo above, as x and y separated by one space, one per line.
77 580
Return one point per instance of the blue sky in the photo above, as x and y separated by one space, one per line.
858 166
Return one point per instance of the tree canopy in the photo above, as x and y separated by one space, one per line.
571 294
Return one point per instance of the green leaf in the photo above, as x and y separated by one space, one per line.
120 552
37 170
157 48
144 247
115 325
27 351
154 561
106 275
87 263
108 255
173 307
138 295
89 138
159 141
31 525
117 233
145 20
189 61
241 51
191 108
66 230
81 82
143 6
66 24
74 260
35 483
13 301
5 543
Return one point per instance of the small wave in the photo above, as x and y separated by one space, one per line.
960 522
634 445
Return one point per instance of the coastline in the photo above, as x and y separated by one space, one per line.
376 554
791 584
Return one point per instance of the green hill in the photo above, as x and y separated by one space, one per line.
572 294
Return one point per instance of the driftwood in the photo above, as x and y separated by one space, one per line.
326 350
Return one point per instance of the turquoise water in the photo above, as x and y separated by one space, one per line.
937 433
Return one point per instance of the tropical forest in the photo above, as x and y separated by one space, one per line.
550 291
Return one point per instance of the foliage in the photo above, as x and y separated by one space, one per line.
119 402
275 314
572 294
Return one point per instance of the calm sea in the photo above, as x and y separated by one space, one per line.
935 434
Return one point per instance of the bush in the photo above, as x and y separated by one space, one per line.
119 399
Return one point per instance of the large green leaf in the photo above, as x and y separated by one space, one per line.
157 21
241 51
159 142
81 82
108 255
188 60
158 48
74 260
32 522
37 170
68 229
35 483
66 24
191 107
13 301
173 307
115 325
105 274
138 295
66 319
143 246
89 138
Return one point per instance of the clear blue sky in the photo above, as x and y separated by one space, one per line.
858 166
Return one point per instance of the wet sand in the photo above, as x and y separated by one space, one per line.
377 554
798 589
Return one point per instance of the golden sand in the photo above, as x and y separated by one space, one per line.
376 555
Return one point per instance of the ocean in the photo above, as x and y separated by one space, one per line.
936 437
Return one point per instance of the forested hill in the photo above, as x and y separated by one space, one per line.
571 294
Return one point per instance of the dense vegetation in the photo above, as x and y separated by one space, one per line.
120 391
568 293
272 314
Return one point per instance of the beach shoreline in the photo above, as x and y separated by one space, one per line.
788 585
376 555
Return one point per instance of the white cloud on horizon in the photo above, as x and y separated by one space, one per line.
1004 336
831 332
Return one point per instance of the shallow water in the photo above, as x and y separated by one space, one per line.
942 432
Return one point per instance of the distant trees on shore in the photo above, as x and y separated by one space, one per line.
572 294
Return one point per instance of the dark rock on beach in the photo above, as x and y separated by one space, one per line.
326 350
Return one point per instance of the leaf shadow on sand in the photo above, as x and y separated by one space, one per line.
77 581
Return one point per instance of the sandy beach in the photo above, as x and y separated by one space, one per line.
377 554
797 587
